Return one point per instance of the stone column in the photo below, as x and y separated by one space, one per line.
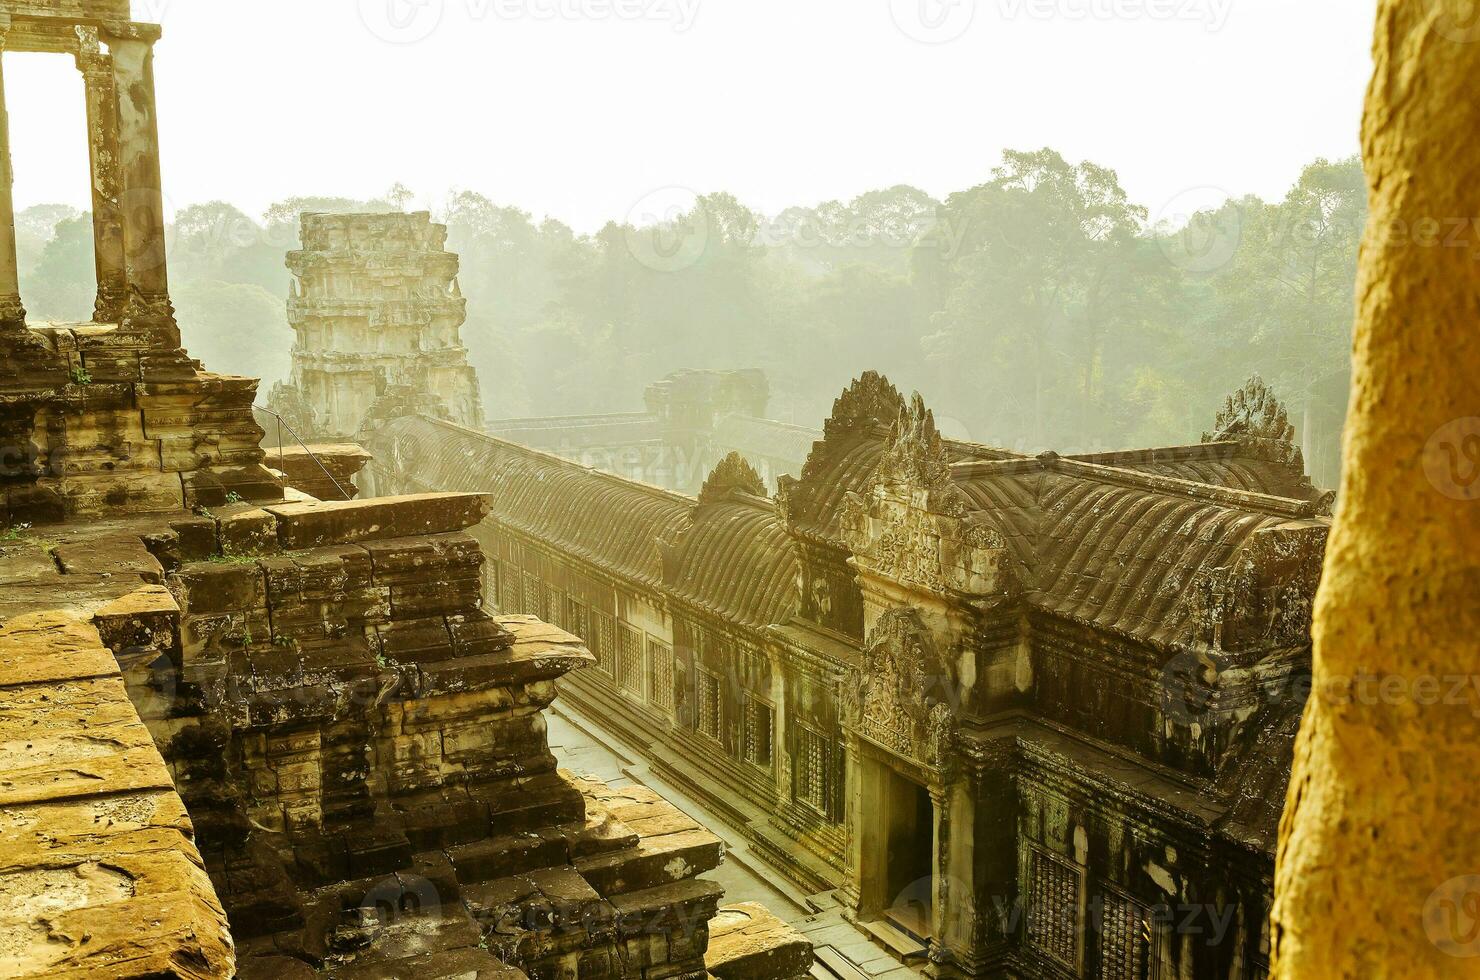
102 142
141 197
1378 868
12 313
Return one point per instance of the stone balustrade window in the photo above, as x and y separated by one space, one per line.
576 619
509 599
660 676
531 594
709 704
1053 908
813 784
629 659
603 642
759 724
1125 934
553 607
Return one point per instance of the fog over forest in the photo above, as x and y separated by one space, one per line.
1040 309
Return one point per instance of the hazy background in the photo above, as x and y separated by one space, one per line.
1060 310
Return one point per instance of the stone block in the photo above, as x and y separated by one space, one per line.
748 942
122 555
654 861
246 530
315 524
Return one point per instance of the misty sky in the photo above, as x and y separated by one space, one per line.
580 109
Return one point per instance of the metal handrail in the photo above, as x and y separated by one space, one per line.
281 425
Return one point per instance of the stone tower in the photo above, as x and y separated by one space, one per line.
376 310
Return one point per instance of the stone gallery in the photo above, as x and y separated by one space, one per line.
1027 715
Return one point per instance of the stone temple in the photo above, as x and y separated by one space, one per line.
247 733
990 715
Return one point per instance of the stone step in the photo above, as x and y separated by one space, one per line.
832 965
747 942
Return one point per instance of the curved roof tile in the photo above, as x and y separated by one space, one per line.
608 520
1125 559
737 561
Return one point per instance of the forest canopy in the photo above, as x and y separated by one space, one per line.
1039 309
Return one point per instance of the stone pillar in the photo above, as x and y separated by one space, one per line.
956 947
141 197
102 142
12 313
1378 868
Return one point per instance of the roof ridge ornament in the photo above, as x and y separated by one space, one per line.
1254 417
734 472
916 453
870 400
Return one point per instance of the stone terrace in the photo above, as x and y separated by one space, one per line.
362 752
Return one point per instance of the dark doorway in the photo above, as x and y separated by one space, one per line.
910 864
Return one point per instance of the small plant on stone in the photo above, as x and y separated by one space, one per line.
13 533
234 498
80 376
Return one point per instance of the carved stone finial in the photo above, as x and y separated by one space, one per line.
870 400
916 454
732 473
1256 419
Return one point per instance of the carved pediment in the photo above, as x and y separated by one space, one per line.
905 696
868 403
915 526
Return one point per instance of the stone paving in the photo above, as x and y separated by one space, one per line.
843 949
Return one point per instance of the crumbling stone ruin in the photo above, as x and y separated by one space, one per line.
1030 715
249 733
377 313
694 419
112 415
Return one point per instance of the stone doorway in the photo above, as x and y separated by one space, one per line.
909 858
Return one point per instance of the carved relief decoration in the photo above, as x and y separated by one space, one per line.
904 697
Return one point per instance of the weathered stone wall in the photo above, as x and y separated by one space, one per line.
363 749
91 425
